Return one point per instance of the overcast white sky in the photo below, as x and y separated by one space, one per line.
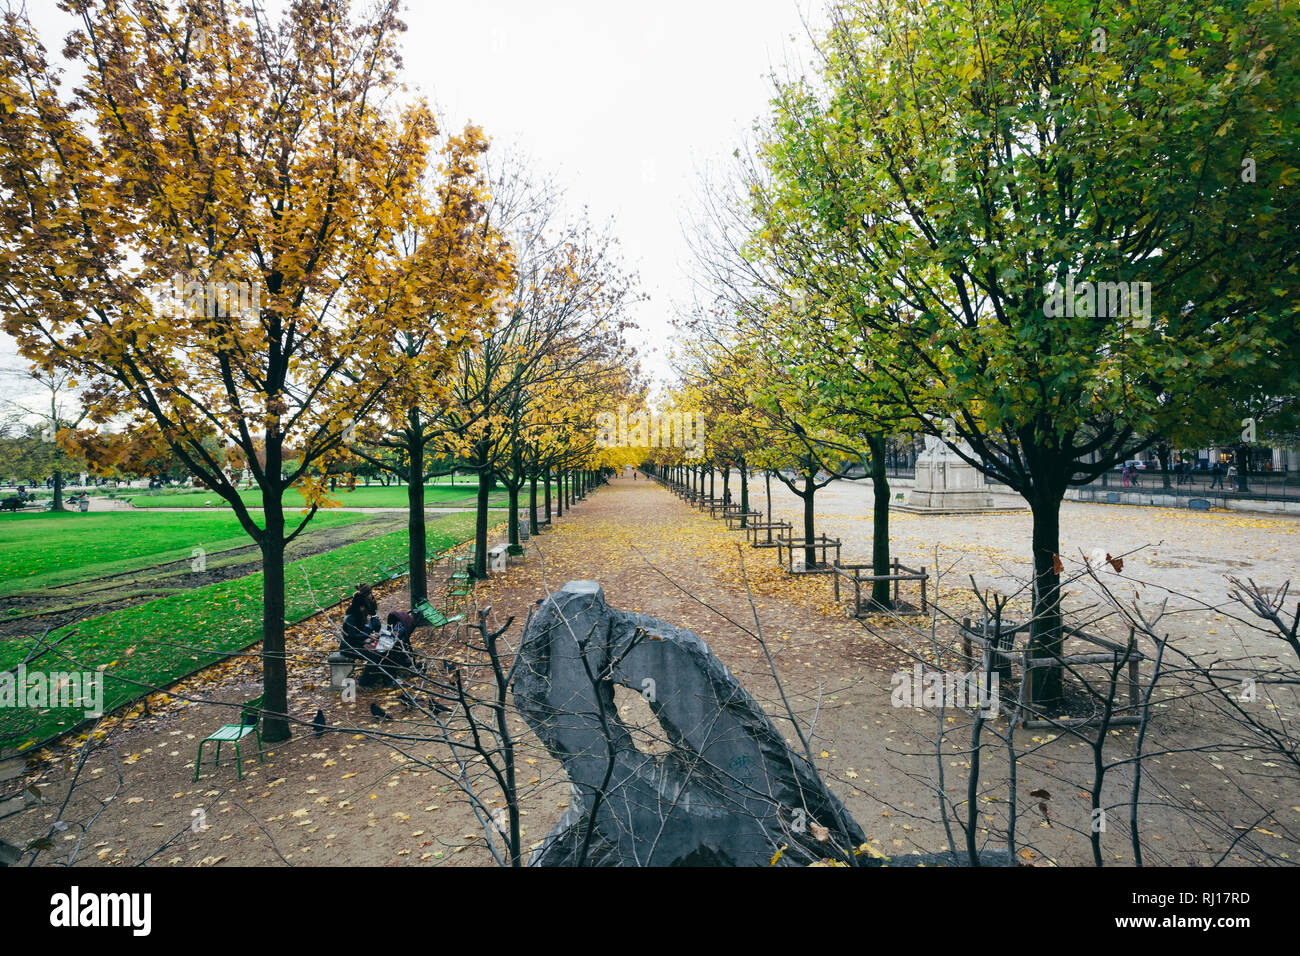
623 102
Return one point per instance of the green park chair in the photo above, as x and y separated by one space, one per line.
439 617
460 565
459 592
249 723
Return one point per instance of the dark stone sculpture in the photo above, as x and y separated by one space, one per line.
730 791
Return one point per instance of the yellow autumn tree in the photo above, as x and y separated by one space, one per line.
202 229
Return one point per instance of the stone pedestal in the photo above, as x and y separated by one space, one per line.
946 484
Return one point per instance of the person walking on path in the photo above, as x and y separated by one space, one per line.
1218 476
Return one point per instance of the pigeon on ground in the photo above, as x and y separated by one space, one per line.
318 723
436 707
379 712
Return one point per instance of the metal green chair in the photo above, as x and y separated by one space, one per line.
459 592
459 566
439 617
249 723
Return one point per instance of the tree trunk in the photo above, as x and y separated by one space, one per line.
879 521
418 550
767 477
57 504
546 490
559 493
481 524
513 489
1243 468
744 493
1162 452
809 532
275 677
532 503
1045 637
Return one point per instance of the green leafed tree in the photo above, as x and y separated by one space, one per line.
1070 227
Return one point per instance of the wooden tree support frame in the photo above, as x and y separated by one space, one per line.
820 543
852 574
738 516
752 532
998 653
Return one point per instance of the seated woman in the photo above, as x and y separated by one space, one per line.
360 624
402 625
402 656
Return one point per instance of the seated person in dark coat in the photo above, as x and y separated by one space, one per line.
360 625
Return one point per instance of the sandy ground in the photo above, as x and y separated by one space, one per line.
1166 552
374 792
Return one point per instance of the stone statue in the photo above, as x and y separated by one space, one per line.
728 791
946 482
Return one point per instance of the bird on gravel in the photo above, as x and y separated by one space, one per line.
318 723
436 707
379 712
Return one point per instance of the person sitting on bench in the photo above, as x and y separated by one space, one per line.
360 625
402 655
402 625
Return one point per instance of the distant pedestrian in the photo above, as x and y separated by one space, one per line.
1232 477
1218 476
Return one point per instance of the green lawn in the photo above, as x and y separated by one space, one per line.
376 496
43 549
155 643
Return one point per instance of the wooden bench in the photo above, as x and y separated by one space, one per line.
853 574
819 543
